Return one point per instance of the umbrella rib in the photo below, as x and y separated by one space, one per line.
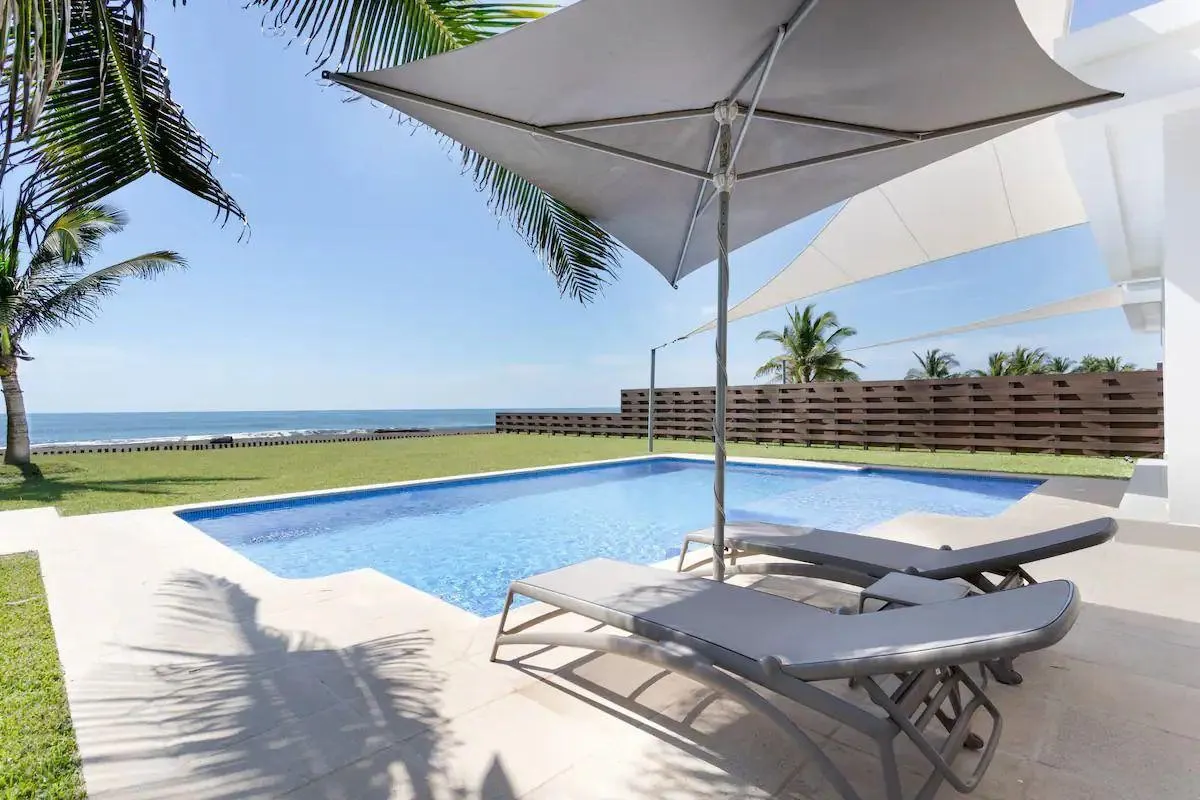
366 86
930 136
696 210
636 119
761 113
780 35
834 125
788 28
763 62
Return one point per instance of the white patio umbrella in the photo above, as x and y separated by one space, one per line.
639 115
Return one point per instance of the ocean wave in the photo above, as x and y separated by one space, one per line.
205 437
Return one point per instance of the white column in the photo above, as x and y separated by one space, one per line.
1181 313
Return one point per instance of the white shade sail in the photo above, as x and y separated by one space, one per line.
1109 297
1009 188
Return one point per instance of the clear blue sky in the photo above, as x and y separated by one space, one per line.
375 277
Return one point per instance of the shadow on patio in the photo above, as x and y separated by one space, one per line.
224 707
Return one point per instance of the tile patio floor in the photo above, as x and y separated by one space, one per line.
192 673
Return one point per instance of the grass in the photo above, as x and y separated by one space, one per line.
38 756
119 481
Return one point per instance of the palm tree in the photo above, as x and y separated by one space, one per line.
811 349
1060 365
934 364
86 108
51 289
1025 361
1090 363
85 102
997 365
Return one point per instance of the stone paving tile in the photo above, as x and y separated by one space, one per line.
504 749
861 769
1143 700
1132 760
662 770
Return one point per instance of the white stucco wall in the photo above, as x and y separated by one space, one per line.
1181 296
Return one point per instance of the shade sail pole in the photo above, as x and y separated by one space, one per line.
723 180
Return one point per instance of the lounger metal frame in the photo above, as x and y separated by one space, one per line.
921 698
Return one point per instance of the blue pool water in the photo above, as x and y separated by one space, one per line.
465 540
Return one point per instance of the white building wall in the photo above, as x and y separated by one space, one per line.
1181 313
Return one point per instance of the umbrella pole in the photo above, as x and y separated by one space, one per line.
724 183
650 406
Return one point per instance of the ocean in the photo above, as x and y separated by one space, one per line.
137 426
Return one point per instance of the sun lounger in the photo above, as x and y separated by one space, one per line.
713 631
860 560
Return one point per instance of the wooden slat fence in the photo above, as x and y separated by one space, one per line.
1104 414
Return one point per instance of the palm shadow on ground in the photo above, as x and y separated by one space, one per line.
54 487
224 707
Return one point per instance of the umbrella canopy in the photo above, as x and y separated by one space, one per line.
638 115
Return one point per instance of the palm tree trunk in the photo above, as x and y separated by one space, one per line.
16 451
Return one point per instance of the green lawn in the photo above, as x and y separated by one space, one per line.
38 757
111 482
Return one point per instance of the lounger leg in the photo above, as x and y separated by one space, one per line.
973 741
893 789
941 759
1015 578
500 629
1004 672
682 554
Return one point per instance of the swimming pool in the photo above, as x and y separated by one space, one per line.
464 540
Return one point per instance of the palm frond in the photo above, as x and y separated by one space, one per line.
371 34
771 336
75 235
111 120
359 35
1060 364
79 300
578 253
34 42
775 368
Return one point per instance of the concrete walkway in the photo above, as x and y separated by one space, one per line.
193 673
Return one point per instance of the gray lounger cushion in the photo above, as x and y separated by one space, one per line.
877 557
751 632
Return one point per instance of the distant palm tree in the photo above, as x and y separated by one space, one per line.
934 364
1025 361
997 365
1059 365
50 290
1090 363
811 349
